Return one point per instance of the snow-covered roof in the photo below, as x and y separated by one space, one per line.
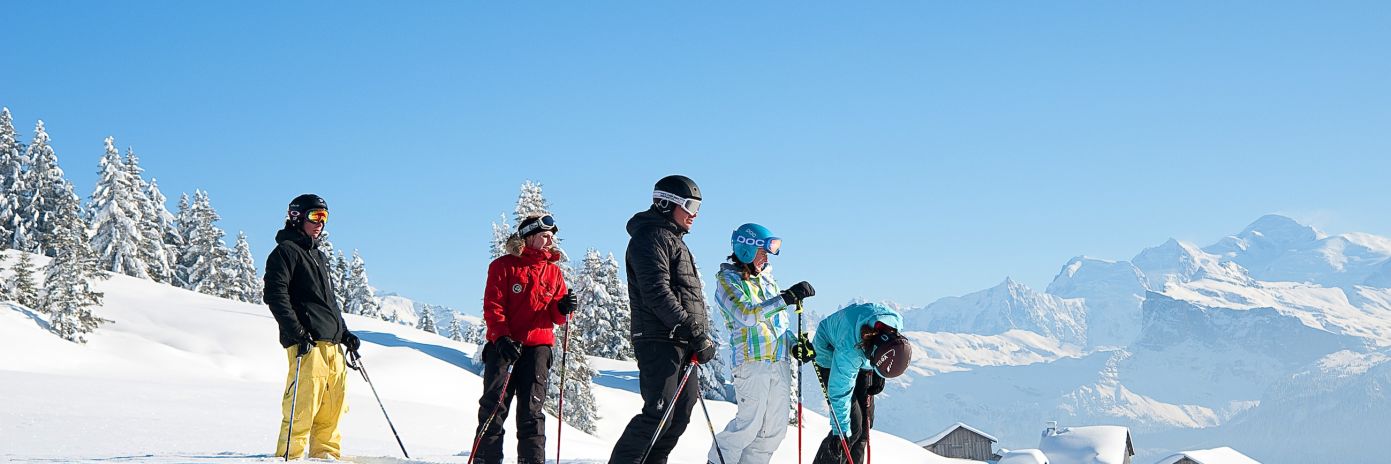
932 440
1024 456
1100 444
1223 455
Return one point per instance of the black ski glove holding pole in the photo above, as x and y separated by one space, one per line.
305 343
802 351
568 303
798 292
508 350
351 342
703 348
876 385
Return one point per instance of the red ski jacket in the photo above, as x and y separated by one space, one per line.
522 297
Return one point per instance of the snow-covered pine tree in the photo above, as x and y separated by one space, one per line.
68 296
715 375
12 185
456 330
245 286
4 286
183 259
427 320
205 255
339 273
155 222
580 409
530 202
602 321
501 232
360 294
114 216
46 186
23 289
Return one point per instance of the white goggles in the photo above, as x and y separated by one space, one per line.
691 205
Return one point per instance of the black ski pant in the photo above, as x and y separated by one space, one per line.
660 366
528 386
861 421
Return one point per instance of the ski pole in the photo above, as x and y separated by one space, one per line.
840 432
560 414
800 333
501 397
671 405
294 403
355 362
708 422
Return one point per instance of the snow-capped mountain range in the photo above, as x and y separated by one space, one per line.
1266 341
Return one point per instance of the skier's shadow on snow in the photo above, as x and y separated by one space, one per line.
622 380
452 356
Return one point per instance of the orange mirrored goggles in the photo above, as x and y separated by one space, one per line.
317 216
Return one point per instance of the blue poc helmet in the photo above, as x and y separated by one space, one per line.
748 238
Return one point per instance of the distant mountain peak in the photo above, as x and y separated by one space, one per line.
1282 230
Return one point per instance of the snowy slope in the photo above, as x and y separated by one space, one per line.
1279 249
183 377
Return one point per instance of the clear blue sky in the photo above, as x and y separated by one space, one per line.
905 150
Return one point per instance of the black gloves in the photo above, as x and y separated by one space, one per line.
305 342
703 348
801 291
802 351
876 385
351 342
508 349
568 303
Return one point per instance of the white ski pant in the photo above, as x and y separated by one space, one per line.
763 389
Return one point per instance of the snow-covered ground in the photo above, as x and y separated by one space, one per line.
178 376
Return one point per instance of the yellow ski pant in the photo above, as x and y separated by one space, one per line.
322 381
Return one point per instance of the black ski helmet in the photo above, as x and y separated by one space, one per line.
301 206
678 185
888 351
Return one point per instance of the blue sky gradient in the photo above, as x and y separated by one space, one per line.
905 150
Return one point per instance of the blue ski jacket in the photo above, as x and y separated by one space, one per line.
838 348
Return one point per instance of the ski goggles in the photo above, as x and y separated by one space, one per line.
691 205
544 223
317 216
771 244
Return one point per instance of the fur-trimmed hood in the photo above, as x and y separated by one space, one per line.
515 245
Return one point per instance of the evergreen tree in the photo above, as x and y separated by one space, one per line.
23 289
204 256
156 224
114 215
245 286
68 296
456 330
602 321
339 272
360 294
427 320
12 176
501 232
44 196
530 202
580 409
183 258
4 286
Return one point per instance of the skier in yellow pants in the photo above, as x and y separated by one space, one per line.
322 382
300 295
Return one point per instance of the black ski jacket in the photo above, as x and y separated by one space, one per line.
300 292
664 289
